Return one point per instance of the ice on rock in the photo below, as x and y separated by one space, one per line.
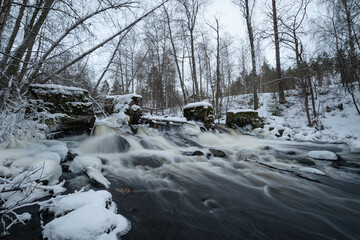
57 146
96 176
61 205
47 170
354 146
81 162
323 155
87 223
5 172
312 170
44 166
84 216
91 166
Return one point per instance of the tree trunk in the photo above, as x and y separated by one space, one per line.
103 42
4 13
277 52
253 56
28 42
218 77
13 35
193 73
182 85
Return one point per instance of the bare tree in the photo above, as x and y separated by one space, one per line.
292 22
216 28
340 29
174 50
277 53
247 12
28 58
192 9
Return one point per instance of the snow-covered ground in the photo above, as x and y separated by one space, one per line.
338 121
335 125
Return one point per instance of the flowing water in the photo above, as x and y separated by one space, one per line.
185 184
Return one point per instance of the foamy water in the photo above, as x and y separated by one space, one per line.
261 189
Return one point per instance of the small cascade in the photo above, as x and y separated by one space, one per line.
102 129
108 143
221 178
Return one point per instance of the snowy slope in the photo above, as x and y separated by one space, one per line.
334 125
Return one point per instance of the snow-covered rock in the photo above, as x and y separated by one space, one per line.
198 104
323 155
200 112
63 204
125 109
354 146
87 223
91 166
96 176
66 110
84 216
81 162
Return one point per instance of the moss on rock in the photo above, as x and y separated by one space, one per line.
65 110
241 118
201 112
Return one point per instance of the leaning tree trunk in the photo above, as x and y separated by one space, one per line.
27 43
4 14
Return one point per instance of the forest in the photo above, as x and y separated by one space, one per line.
179 119
174 53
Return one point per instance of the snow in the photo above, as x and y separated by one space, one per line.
198 104
122 102
80 104
339 126
241 111
91 166
44 89
96 176
87 223
165 119
354 146
323 155
25 216
84 216
61 205
28 166
81 162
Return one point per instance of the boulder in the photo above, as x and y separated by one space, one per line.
243 117
129 104
200 112
65 110
217 153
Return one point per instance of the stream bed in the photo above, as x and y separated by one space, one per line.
183 184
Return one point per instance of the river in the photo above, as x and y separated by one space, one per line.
184 184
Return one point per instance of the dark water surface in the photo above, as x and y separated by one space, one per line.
258 191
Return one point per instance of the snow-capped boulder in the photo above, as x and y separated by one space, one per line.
354 146
125 105
243 117
200 112
84 216
65 110
323 155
